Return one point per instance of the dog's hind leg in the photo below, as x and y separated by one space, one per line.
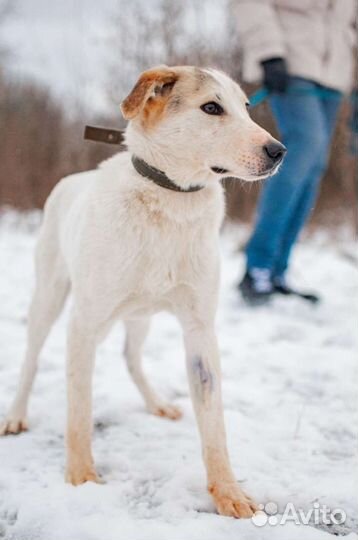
136 333
51 289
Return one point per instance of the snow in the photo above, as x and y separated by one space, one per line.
289 387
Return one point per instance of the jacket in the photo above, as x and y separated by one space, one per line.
316 37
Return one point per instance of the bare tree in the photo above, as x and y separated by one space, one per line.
40 144
170 33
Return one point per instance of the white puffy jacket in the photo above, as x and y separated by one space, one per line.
317 38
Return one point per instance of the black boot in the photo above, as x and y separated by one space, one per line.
280 287
256 286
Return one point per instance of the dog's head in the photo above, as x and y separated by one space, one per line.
194 124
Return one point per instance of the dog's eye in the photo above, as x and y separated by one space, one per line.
212 108
247 105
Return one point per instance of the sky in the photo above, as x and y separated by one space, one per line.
66 45
62 45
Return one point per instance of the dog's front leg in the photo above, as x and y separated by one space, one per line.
205 385
80 363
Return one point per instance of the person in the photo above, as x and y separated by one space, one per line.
302 51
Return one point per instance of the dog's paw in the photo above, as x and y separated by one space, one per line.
13 425
77 476
231 501
166 410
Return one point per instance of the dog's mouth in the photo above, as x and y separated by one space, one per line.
260 176
267 173
219 170
272 170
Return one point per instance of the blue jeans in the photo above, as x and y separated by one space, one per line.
306 123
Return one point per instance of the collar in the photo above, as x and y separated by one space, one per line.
159 177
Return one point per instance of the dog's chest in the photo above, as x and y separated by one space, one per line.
169 258
166 251
159 274
145 256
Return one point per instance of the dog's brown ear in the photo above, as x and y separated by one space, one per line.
154 84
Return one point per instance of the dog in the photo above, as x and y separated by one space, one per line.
138 235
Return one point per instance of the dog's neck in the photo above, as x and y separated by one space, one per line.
159 177
160 155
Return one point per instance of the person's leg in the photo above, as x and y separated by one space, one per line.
329 107
301 124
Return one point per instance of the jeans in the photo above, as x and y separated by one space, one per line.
306 123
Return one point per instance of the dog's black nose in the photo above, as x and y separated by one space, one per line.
275 150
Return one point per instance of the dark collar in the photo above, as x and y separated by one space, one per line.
159 177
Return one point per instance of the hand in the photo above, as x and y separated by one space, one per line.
275 74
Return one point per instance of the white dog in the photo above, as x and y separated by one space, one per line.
139 235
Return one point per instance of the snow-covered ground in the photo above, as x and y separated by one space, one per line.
289 385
